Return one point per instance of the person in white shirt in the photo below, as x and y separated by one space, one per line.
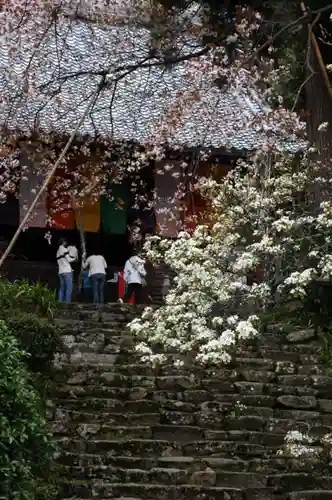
96 264
134 275
64 260
73 252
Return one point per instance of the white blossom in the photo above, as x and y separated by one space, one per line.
323 127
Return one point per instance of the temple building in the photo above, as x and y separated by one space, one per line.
133 112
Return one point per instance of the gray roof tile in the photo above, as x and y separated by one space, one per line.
142 99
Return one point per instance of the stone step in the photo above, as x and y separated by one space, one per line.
311 495
157 448
181 434
161 401
119 419
109 316
241 389
127 491
163 405
130 370
99 342
120 491
170 476
271 465
219 381
207 378
92 323
239 365
81 336
270 354
220 418
267 359
295 481
266 495
250 419
265 347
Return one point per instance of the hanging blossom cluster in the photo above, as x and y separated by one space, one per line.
268 239
302 446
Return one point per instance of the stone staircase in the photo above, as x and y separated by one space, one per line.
129 432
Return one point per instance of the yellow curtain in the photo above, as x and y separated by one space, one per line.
87 207
88 215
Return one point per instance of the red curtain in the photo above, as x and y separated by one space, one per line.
197 209
59 202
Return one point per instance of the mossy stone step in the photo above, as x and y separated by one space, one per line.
162 403
131 432
311 495
275 464
249 417
112 336
262 392
150 491
267 358
170 476
157 448
180 434
107 417
299 481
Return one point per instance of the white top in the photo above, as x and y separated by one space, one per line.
134 271
64 259
96 264
73 252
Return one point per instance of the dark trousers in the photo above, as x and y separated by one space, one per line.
134 290
98 283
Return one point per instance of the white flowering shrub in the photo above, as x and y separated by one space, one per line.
265 216
302 446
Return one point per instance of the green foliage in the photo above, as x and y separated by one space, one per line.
29 340
326 350
37 336
24 296
26 448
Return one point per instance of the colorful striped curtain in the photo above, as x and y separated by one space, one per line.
167 207
87 212
30 183
114 207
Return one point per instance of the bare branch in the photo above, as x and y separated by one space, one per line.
303 84
288 27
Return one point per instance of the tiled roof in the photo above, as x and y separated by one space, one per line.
141 99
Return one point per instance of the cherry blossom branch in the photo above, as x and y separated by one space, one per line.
43 188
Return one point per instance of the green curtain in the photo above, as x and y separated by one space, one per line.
114 210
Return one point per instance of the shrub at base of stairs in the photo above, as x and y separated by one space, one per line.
24 296
38 337
26 448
